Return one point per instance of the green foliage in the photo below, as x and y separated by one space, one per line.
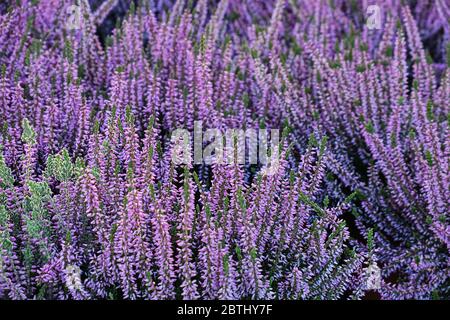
28 133
5 240
129 116
68 51
430 114
370 242
370 128
429 157
35 205
360 68
306 200
389 51
60 166
6 177
226 264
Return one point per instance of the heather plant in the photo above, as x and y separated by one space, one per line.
92 205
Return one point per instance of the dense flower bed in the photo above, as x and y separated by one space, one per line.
92 205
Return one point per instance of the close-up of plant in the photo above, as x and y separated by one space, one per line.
224 150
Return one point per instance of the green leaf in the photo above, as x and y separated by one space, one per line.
238 252
28 133
226 263
430 114
370 243
389 51
253 254
429 158
369 127
6 176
